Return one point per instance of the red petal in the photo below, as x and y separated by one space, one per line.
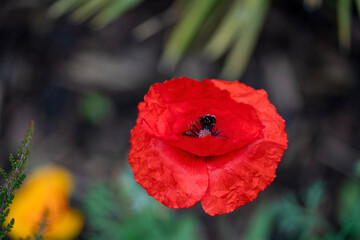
175 178
274 124
170 107
236 178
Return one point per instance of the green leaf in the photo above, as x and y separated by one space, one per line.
110 217
357 2
113 10
292 218
195 14
344 8
88 10
3 174
61 7
357 168
226 33
261 223
349 209
94 107
240 54
103 11
314 195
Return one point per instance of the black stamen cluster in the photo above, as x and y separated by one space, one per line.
206 122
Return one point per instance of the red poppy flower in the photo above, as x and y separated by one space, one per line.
213 141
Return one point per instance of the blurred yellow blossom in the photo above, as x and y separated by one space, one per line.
46 190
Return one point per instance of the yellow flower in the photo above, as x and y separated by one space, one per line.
46 190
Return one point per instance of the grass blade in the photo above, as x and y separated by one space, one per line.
261 223
239 56
112 11
357 3
88 9
61 7
226 33
344 8
195 14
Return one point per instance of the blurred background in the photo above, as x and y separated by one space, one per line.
78 68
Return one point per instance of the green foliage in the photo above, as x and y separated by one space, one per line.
344 13
301 221
254 12
13 181
314 195
261 223
101 12
240 22
357 168
349 210
304 217
116 213
94 107
344 9
194 16
357 2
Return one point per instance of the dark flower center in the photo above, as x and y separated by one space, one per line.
202 127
